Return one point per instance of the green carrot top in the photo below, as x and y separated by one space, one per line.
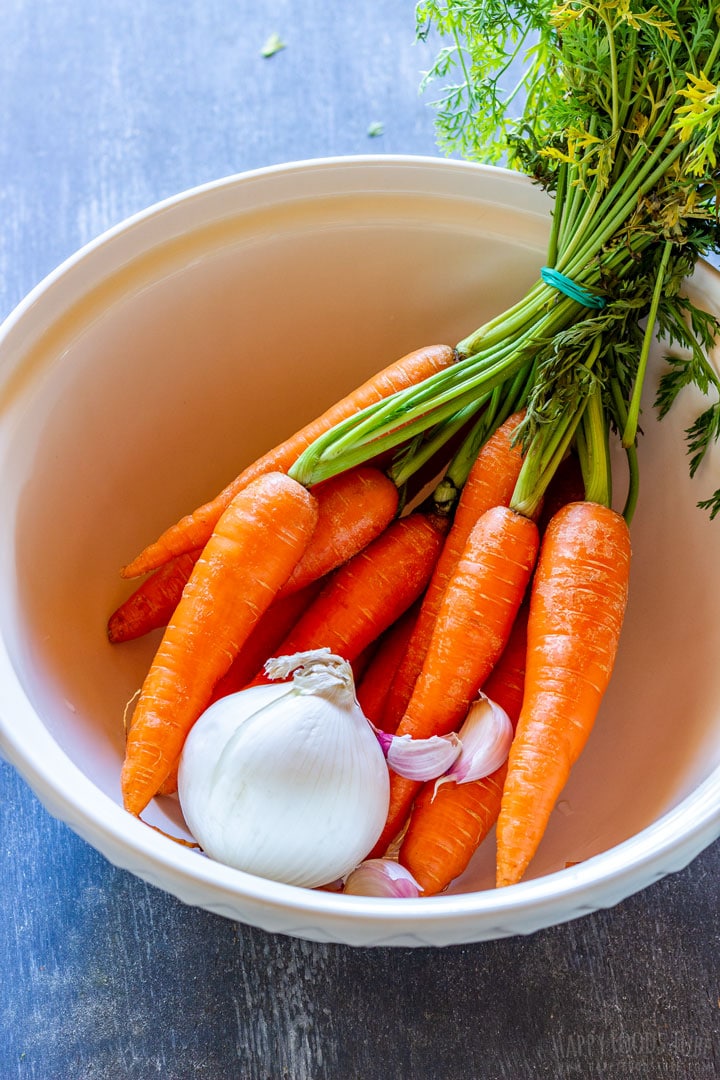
616 114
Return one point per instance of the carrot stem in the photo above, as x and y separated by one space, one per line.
504 403
631 455
593 451
629 434
390 422
423 448
547 450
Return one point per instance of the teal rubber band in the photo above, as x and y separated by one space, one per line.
566 285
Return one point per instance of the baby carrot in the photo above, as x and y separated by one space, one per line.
448 823
193 530
577 605
472 628
152 604
371 591
252 552
490 482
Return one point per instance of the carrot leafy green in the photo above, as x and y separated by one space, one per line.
616 113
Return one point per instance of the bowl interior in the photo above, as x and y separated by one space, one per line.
147 373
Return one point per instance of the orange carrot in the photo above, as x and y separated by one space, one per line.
271 628
366 595
373 687
577 605
193 530
506 682
169 785
252 552
362 661
353 509
448 824
263 642
152 604
490 482
471 630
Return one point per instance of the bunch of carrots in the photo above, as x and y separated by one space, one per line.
431 604
511 577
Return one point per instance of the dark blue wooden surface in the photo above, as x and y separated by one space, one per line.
105 108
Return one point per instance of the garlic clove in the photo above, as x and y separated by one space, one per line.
486 736
419 759
381 877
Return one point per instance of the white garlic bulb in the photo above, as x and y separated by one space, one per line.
287 781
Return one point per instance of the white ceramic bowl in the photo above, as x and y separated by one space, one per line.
141 375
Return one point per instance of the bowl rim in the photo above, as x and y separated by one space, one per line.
231 180
667 844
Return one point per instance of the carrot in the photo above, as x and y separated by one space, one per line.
260 645
371 591
448 824
263 642
362 661
577 605
152 604
353 509
252 552
169 785
193 530
490 482
446 827
472 628
506 682
373 687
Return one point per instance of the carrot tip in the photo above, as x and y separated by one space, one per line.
132 569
